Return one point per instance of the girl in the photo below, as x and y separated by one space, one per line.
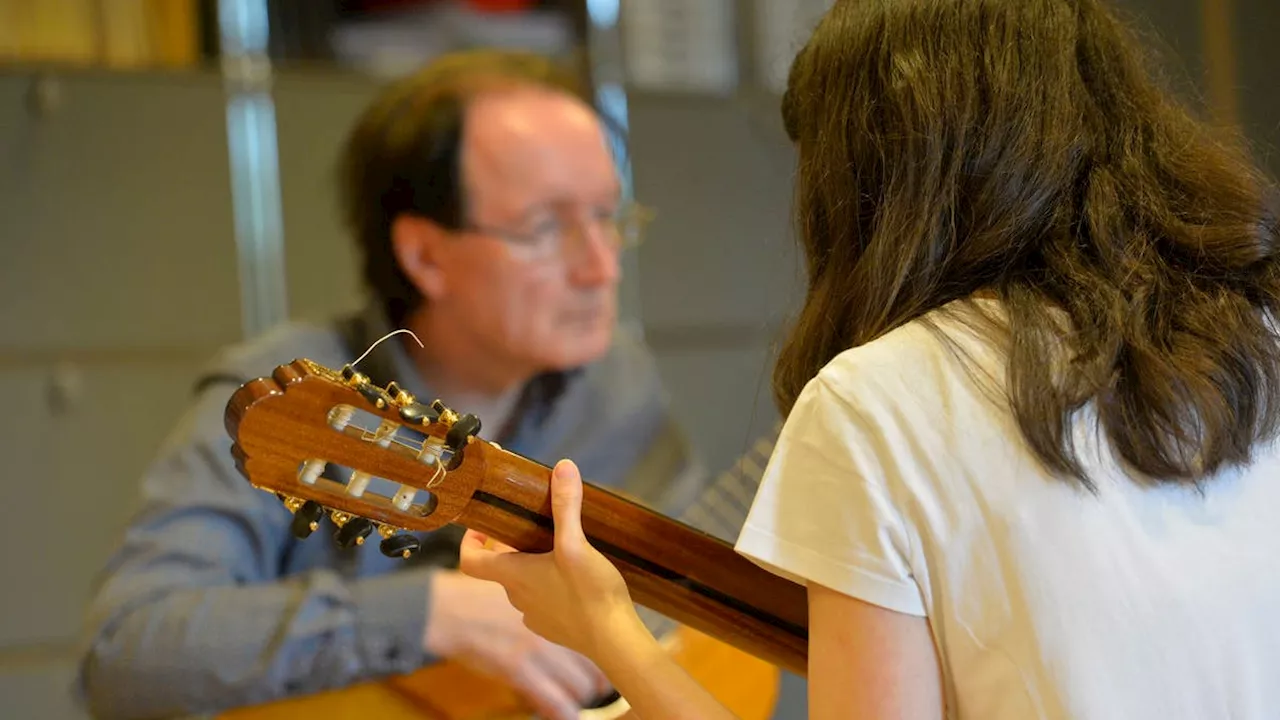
1029 466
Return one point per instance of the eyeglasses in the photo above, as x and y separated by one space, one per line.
550 238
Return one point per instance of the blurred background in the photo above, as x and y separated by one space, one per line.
167 187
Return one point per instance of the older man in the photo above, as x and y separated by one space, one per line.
487 207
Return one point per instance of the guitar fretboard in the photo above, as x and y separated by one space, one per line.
721 510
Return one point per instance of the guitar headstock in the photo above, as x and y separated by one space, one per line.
325 441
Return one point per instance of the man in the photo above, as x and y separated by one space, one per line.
485 202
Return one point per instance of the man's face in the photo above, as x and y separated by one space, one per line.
533 276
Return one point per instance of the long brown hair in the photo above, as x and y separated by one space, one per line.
1022 148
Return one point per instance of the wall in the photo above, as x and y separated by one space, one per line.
118 278
1255 25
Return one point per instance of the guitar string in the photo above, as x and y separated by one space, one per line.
378 342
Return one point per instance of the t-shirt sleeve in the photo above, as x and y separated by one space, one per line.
825 512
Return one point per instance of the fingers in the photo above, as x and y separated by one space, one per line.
499 546
472 555
479 562
600 684
566 504
571 674
574 672
549 698
475 537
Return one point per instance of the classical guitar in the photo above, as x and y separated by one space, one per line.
289 428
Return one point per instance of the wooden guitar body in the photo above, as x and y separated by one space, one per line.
738 623
448 691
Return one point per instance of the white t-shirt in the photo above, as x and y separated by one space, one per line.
898 481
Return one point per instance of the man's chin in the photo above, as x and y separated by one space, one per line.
582 350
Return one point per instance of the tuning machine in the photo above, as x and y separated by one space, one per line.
397 544
461 428
306 516
447 416
412 411
461 431
352 530
374 395
398 394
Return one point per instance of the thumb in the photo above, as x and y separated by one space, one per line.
566 504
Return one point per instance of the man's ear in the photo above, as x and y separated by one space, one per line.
418 244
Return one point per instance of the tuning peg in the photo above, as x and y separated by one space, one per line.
399 394
415 413
394 545
352 377
352 530
376 396
460 431
446 415
306 516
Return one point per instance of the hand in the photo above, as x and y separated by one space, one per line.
573 595
472 622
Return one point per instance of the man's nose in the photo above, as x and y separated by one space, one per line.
594 261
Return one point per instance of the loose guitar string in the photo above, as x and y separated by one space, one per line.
437 477
378 342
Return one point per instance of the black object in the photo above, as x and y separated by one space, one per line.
305 518
400 546
419 414
352 532
463 429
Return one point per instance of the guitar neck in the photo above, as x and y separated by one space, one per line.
690 576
